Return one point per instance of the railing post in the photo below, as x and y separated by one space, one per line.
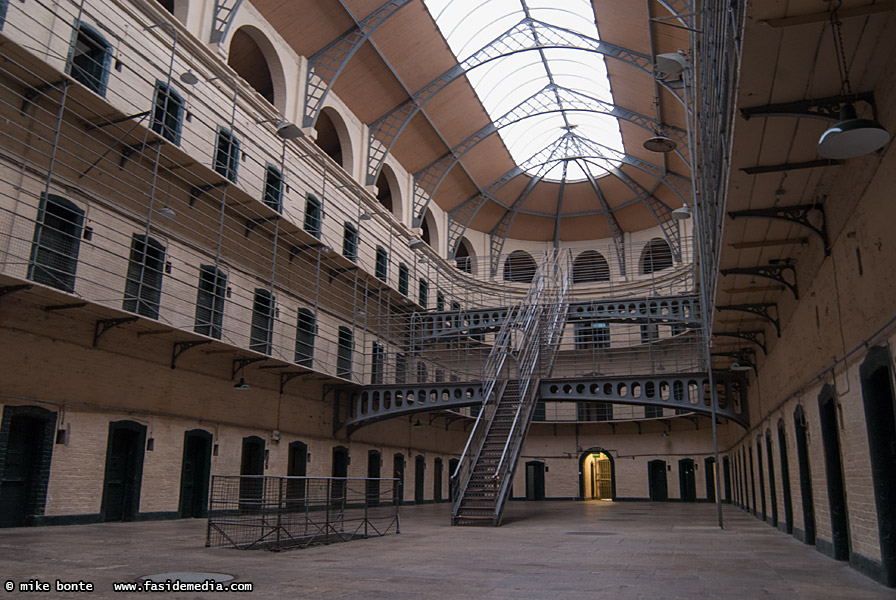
279 509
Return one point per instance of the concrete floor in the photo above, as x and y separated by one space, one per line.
544 550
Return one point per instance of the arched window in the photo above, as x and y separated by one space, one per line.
210 301
248 60
656 256
382 264
168 113
403 279
143 288
344 353
262 321
305 332
463 257
377 359
90 59
590 266
350 242
273 188
313 216
57 240
519 267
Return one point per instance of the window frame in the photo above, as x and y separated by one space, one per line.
230 169
139 301
42 271
592 335
264 344
101 84
345 349
159 122
404 279
423 292
381 270
313 220
306 324
214 326
350 241
273 200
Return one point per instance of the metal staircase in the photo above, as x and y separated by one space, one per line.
523 353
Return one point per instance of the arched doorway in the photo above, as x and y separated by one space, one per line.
597 476
772 485
398 475
195 472
251 463
333 138
709 465
880 421
802 453
761 477
535 480
657 484
255 59
339 472
124 471
726 475
464 256
687 480
419 473
830 436
374 467
296 466
437 480
785 478
26 446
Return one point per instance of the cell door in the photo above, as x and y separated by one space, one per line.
535 480
827 405
195 473
686 480
398 475
21 471
658 488
802 455
296 466
437 480
452 486
419 470
374 467
339 472
604 477
252 464
124 470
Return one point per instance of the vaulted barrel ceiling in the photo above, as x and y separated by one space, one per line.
404 81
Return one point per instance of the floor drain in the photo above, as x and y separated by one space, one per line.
187 577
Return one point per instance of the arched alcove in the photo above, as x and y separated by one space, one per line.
519 267
178 8
255 59
656 256
464 257
384 190
430 233
589 266
333 138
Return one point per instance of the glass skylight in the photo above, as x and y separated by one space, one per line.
504 83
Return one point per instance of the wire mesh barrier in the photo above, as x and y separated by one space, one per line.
279 513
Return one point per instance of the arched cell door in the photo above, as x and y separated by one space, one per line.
657 483
880 420
26 446
785 478
687 481
195 471
800 427
124 471
830 436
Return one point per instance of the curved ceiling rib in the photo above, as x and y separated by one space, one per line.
551 98
528 34
327 63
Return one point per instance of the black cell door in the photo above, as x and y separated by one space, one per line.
772 485
726 476
827 405
20 484
252 463
534 480
687 482
374 469
785 479
656 473
419 470
880 421
124 471
710 472
802 453
296 466
340 472
437 481
194 474
398 475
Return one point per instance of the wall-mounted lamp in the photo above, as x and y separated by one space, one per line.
416 243
366 216
417 423
740 367
669 65
242 385
166 212
682 214
285 129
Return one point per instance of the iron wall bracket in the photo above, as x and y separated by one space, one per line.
773 272
181 347
797 214
750 336
760 309
104 325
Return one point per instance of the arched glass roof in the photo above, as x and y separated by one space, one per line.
505 82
